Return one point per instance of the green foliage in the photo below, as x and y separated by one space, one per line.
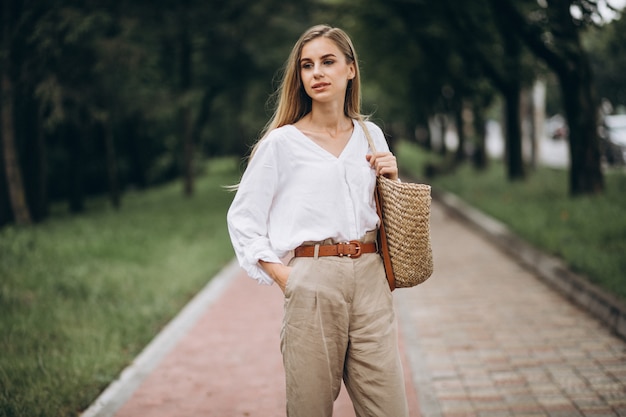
81 296
607 52
588 232
101 88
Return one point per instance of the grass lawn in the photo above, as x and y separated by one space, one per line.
589 233
80 296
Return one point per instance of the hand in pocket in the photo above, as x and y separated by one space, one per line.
278 272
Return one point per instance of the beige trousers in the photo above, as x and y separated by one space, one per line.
339 323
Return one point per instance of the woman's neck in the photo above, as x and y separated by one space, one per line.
331 130
329 118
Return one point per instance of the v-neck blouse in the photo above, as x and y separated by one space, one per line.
317 147
294 191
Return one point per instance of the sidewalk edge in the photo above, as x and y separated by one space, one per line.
603 306
121 389
419 370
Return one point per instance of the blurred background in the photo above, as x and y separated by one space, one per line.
121 122
102 97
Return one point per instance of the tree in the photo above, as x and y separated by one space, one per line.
553 34
100 95
410 83
59 63
13 172
607 52
434 69
495 53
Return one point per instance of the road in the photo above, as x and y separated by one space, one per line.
552 153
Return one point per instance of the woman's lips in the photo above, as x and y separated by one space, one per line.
319 86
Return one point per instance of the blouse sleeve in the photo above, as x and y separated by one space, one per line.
248 214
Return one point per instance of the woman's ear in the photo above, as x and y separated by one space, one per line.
352 72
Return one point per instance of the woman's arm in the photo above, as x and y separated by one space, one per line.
248 214
278 272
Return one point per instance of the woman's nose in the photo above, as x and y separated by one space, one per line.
317 71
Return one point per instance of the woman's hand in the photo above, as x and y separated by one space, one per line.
278 272
384 163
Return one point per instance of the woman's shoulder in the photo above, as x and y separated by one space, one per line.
280 134
373 127
275 137
377 135
374 130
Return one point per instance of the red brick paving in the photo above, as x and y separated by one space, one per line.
485 338
229 364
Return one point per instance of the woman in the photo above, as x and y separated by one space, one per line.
308 191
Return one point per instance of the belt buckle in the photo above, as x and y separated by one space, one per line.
341 249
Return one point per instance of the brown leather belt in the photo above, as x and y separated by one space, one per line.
352 249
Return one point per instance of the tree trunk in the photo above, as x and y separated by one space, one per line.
538 116
42 162
562 51
526 117
134 140
6 215
459 155
443 126
29 128
480 132
111 163
76 195
188 151
514 160
423 132
14 181
15 184
581 107
585 171
204 114
186 128
39 195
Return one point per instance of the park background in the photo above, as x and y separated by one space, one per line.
122 121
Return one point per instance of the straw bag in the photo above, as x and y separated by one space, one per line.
404 233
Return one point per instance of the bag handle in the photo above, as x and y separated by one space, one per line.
367 135
382 234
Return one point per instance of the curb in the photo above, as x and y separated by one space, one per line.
120 390
603 306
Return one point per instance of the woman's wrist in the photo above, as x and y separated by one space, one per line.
270 268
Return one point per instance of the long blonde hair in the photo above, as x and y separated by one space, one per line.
293 101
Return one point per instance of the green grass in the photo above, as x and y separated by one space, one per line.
589 233
81 296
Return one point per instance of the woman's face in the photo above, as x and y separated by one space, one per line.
324 70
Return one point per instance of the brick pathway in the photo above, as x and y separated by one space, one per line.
229 364
488 339
482 337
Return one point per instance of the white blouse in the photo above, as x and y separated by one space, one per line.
294 191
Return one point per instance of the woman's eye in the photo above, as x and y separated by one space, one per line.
329 62
308 65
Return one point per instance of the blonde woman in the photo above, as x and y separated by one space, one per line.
308 192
